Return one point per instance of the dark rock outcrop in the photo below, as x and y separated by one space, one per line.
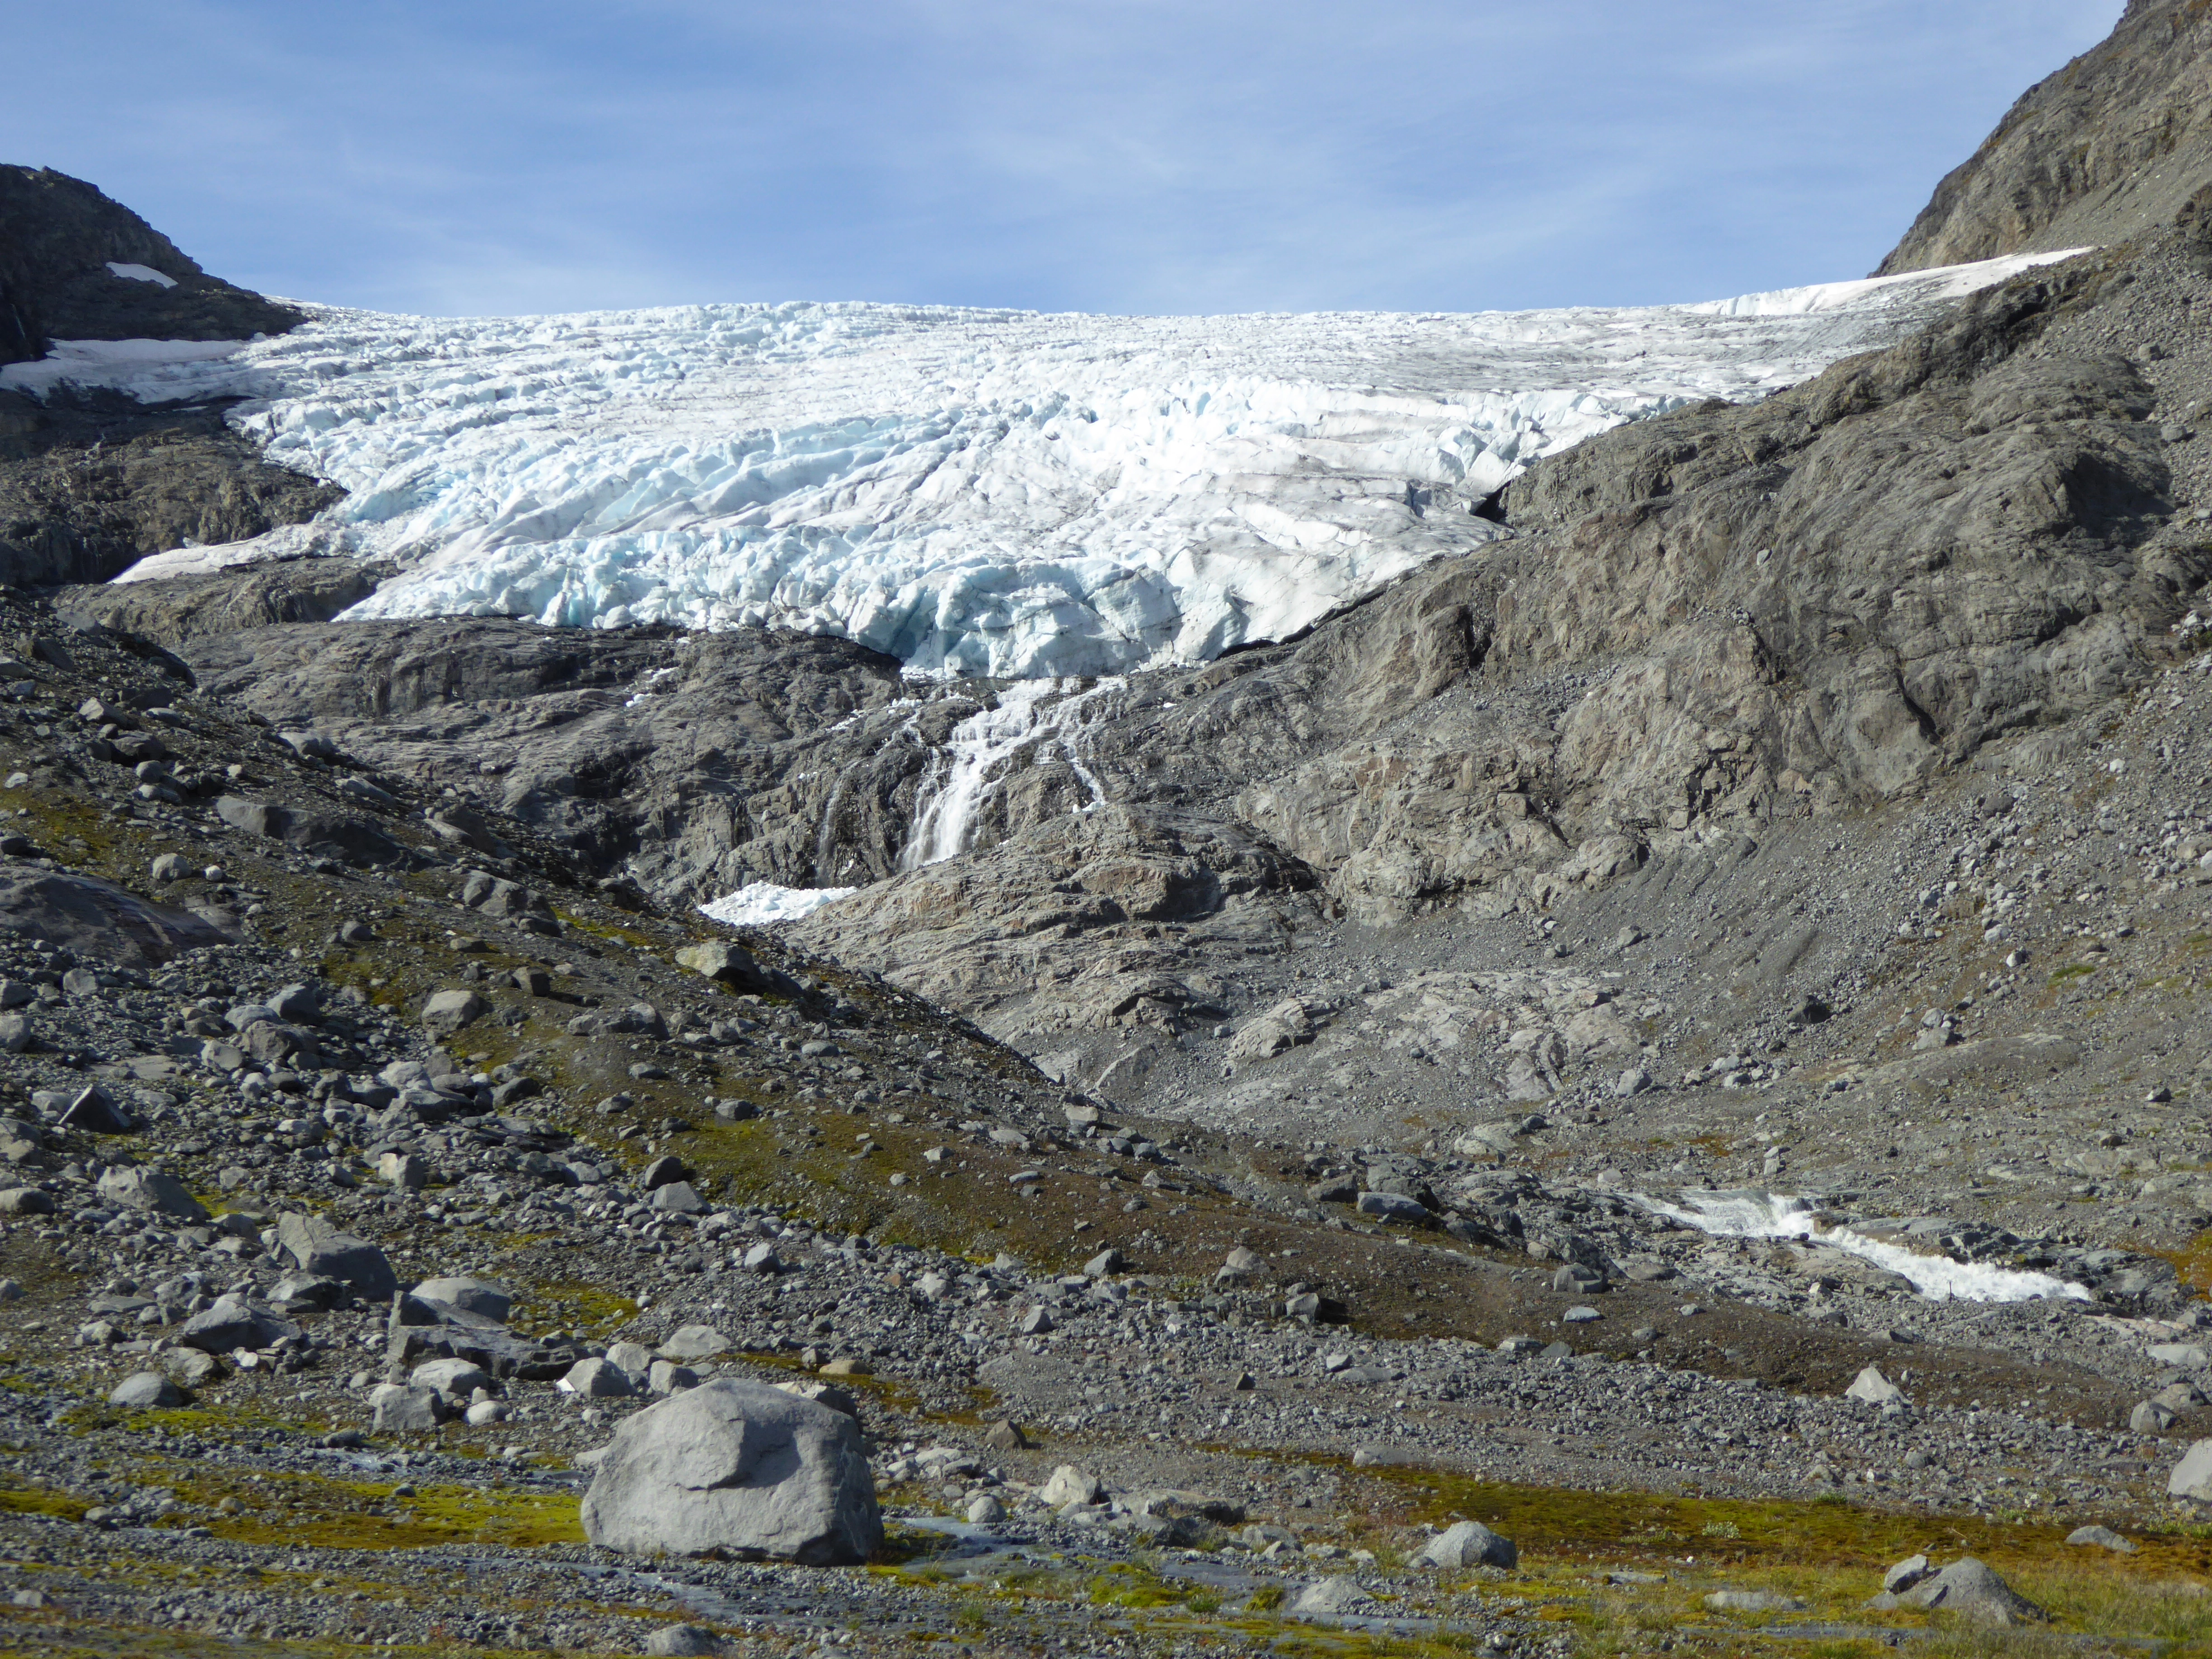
697 761
91 483
2116 143
58 235
176 609
97 919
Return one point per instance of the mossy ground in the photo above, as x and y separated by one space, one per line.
314 1511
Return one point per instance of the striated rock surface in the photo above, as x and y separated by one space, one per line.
2115 143
181 608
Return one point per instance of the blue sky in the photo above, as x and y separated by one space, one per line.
1125 155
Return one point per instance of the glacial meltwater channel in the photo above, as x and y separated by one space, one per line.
1750 1213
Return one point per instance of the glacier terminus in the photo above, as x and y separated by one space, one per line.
976 493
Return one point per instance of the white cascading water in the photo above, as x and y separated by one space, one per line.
962 777
1753 1214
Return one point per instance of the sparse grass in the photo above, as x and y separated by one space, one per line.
19 1497
314 1511
2192 1262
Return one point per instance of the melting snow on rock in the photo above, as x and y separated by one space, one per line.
761 903
974 492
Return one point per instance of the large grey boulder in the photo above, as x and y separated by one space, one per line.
328 834
1871 1386
447 1011
317 1246
2192 1476
694 1342
1969 1587
144 1390
399 1408
97 921
597 1379
683 1642
234 1322
469 1295
741 1468
457 1379
2103 1538
1751 1601
735 966
1469 1544
1069 1485
151 1190
1331 1598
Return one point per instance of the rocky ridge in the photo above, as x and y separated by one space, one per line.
2111 146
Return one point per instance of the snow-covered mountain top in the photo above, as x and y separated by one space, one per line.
975 492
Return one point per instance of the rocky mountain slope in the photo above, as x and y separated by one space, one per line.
1677 1038
2117 142
61 240
89 484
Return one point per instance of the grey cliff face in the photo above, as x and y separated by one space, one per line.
2116 143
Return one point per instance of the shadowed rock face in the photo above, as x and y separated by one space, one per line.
58 236
181 608
2118 142
92 482
696 761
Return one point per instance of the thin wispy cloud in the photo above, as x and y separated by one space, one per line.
1122 156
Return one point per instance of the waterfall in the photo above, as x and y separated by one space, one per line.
962 777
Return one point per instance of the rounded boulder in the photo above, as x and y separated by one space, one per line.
740 1468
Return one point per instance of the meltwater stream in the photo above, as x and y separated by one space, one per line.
1753 1214
963 776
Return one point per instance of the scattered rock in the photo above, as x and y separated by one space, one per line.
1070 1484
149 1190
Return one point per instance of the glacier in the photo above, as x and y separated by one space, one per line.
976 493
